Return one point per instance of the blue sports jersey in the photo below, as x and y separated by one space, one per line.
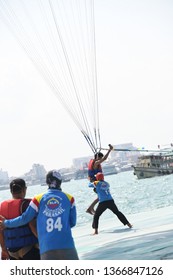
102 190
56 214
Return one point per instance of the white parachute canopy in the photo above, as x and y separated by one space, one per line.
59 38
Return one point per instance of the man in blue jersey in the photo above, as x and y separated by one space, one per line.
105 202
56 215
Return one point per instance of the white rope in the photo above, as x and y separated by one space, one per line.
59 38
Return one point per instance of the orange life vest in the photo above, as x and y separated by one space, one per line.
91 171
16 238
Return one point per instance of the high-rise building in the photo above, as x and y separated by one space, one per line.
38 171
4 179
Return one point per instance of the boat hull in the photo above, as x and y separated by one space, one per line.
142 172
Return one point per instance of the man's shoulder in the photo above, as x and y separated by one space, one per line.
39 196
104 183
6 200
70 197
9 201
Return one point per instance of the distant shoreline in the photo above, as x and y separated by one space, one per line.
4 188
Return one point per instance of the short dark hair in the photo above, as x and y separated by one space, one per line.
99 154
17 185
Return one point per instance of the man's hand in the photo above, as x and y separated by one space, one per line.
4 255
2 219
110 147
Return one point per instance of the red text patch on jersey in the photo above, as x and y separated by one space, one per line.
52 203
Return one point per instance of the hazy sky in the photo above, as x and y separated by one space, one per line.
134 42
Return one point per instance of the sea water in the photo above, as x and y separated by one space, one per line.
143 202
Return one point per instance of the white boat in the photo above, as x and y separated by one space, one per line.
152 165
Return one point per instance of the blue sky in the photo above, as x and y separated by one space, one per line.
134 42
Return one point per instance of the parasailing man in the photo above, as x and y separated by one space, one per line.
106 201
94 167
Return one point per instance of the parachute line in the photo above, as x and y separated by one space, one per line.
59 38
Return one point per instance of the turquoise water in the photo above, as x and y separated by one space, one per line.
147 203
130 194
